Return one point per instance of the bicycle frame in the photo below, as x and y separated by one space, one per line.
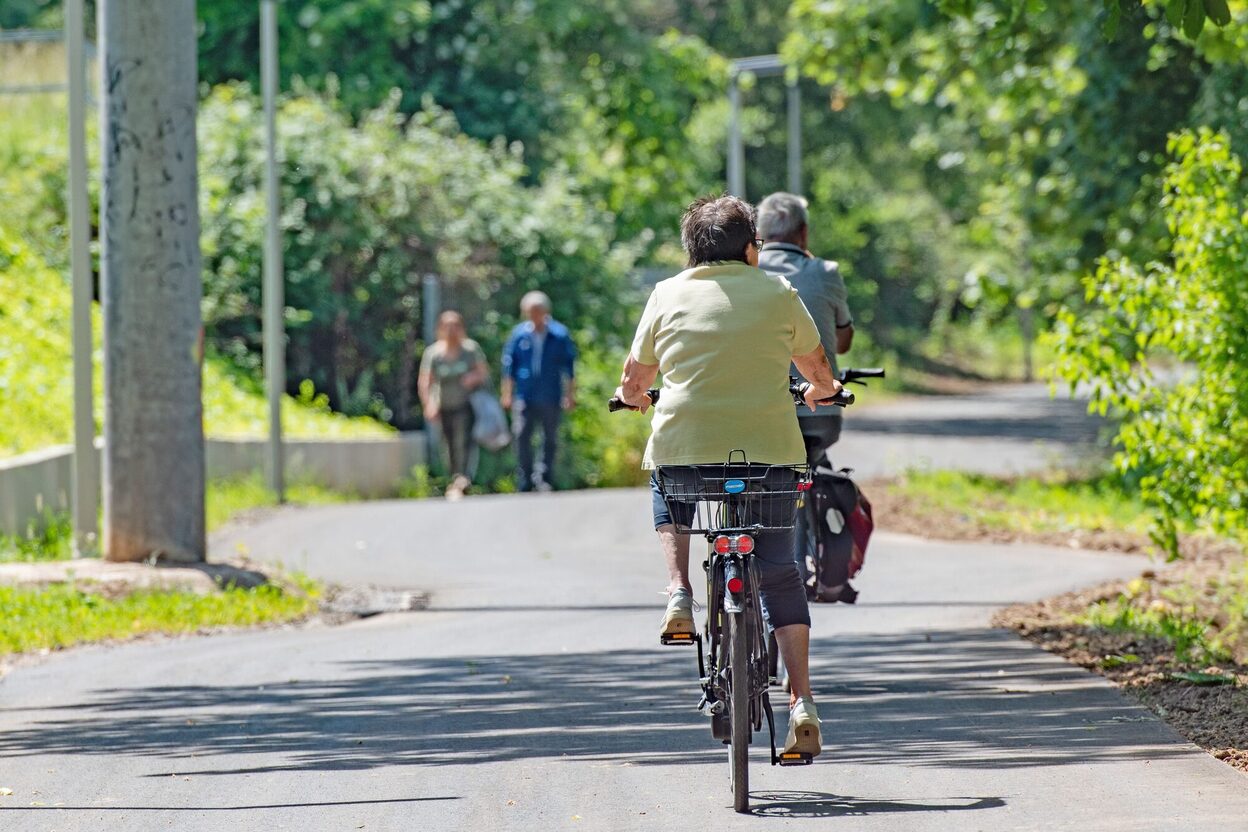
729 505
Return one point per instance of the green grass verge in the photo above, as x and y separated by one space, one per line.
1058 502
63 615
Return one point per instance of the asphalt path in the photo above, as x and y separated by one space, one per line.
1000 429
533 695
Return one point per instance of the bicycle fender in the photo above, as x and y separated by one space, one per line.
733 601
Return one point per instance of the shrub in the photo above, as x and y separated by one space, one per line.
1184 428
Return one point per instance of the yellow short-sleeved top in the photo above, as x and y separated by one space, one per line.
723 336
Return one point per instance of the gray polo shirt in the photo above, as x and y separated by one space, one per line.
820 286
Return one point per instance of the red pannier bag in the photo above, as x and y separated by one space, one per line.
842 523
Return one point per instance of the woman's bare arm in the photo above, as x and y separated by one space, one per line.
815 368
636 379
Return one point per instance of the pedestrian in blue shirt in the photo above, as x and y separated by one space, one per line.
538 385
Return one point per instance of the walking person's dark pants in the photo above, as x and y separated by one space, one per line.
819 433
457 434
528 417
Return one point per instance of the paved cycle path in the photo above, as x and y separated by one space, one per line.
997 429
533 696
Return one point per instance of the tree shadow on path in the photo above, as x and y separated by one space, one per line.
961 699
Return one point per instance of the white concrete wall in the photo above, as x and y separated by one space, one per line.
370 468
34 483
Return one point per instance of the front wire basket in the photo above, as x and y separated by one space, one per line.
739 496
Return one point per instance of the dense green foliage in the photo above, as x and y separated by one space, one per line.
575 85
1009 111
968 162
1184 432
369 209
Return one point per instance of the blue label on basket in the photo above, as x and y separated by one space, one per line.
734 486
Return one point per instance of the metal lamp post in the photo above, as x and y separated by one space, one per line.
274 335
86 480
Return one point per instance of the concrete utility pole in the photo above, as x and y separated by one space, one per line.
274 295
86 501
151 282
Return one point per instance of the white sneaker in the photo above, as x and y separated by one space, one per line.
678 618
804 737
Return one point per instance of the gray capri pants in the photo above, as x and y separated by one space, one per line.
780 583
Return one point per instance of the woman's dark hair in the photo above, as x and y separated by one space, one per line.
717 228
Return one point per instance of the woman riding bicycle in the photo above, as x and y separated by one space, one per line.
723 333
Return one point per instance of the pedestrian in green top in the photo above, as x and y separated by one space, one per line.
452 367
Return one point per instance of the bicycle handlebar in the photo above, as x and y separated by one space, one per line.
850 374
797 389
615 403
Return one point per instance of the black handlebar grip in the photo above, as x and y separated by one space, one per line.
614 403
842 399
866 372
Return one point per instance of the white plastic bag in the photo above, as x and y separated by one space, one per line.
489 428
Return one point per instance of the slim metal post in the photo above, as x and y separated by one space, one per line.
795 137
274 296
736 147
86 496
430 308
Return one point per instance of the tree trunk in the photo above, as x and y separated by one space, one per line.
151 283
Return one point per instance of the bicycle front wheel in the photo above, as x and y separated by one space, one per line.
739 705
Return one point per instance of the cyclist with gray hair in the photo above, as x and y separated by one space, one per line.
783 223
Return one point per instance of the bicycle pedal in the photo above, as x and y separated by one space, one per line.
795 758
676 638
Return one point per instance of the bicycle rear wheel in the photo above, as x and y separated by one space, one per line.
739 706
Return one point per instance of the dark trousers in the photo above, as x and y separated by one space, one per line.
819 433
457 434
526 418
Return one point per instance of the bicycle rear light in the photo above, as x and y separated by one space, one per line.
741 544
735 584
